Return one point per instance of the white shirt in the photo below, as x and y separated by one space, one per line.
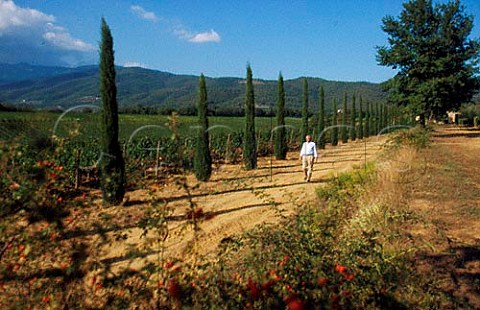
309 148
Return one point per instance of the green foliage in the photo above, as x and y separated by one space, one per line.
344 121
417 137
437 61
280 132
368 122
334 131
250 142
112 165
321 120
353 120
304 110
360 118
202 163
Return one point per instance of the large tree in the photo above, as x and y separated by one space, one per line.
280 132
249 141
437 62
202 162
112 164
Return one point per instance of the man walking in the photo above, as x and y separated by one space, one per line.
308 155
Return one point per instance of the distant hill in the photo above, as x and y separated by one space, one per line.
48 87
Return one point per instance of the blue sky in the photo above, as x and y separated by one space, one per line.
330 39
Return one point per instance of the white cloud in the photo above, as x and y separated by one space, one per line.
204 37
59 37
13 17
178 28
28 35
135 64
201 37
143 14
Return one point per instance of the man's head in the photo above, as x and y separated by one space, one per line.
308 138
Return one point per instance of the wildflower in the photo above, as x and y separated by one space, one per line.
341 269
322 281
53 176
174 289
294 303
274 275
14 186
349 276
46 299
254 289
21 247
289 288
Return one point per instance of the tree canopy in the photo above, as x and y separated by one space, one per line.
437 61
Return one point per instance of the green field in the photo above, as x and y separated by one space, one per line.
87 125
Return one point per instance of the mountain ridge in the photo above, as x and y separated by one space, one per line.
46 87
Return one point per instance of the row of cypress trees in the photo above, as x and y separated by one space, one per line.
112 164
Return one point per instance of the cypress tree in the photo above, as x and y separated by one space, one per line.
360 119
202 163
377 118
321 120
381 120
250 140
344 120
305 110
366 131
280 131
112 164
334 123
353 120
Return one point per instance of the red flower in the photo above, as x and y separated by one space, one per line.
174 289
349 277
46 299
294 303
254 289
341 269
322 281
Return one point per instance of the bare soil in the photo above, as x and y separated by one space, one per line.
446 194
231 202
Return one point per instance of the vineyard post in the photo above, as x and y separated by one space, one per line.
157 160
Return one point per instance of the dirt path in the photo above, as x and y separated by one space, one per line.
233 201
447 196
